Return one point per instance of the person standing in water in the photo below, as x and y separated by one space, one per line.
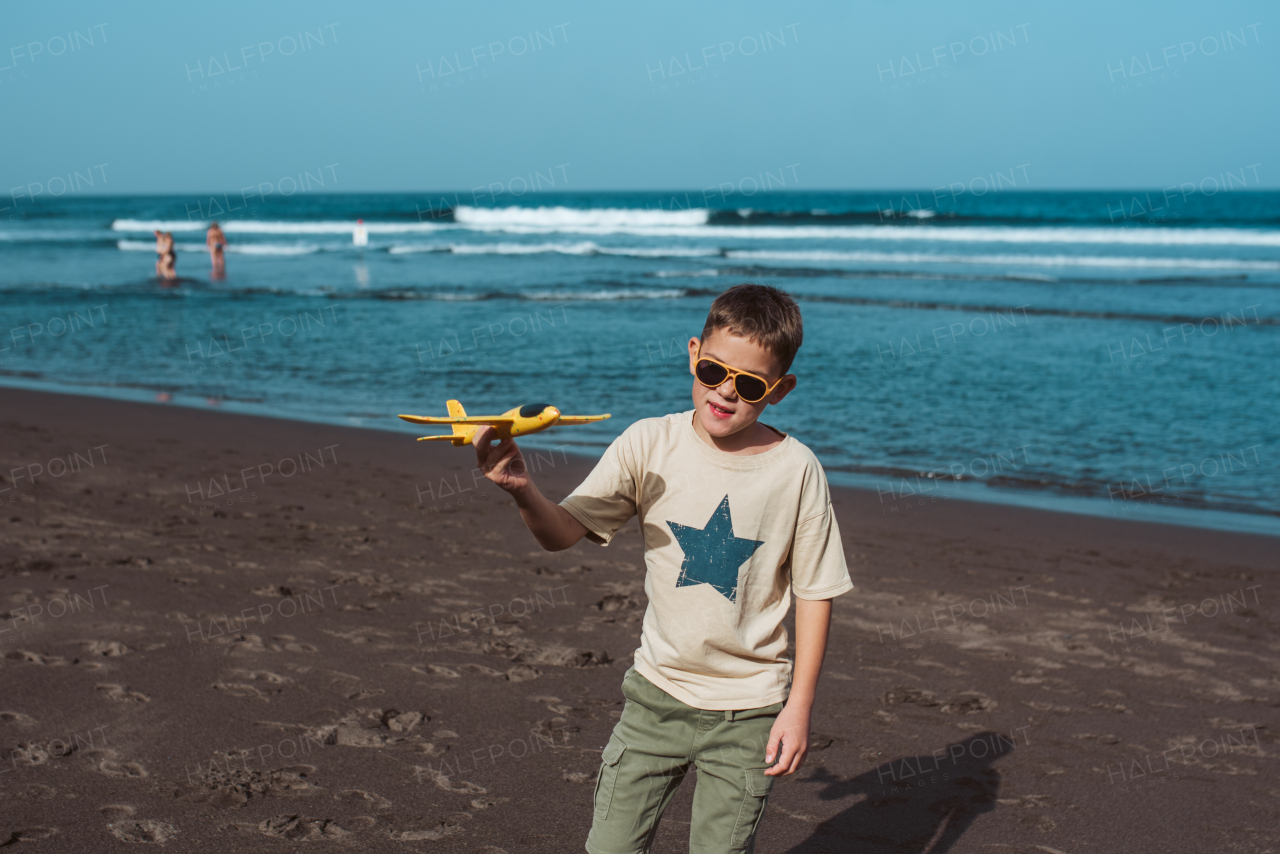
360 237
160 252
166 256
217 241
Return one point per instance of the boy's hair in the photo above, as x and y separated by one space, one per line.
765 315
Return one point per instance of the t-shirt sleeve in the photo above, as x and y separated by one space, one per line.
818 569
607 499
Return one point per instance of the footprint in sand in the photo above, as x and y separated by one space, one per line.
32 753
299 828
123 694
445 829
553 732
143 830
442 781
366 693
260 676
899 695
517 673
227 786
968 704
522 673
402 721
241 690
108 765
520 650
30 657
251 644
288 643
109 649
375 728
17 718
359 796
554 704
116 812
29 834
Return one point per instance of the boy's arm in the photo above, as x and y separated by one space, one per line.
791 728
552 526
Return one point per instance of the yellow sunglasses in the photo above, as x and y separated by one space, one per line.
748 386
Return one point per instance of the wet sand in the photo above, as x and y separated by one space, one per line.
236 633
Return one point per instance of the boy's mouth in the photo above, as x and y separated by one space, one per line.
719 411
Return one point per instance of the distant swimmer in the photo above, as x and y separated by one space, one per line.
217 241
160 252
360 237
166 255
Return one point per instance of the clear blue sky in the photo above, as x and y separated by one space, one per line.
995 86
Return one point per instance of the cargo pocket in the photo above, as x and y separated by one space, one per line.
754 797
608 777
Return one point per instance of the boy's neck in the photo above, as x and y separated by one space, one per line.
753 439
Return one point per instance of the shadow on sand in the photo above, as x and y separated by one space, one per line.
914 804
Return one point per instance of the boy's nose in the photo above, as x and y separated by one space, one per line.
727 389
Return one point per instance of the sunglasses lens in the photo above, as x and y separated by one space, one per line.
749 389
710 374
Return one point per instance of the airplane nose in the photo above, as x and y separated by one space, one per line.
550 413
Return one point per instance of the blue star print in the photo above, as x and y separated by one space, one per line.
713 555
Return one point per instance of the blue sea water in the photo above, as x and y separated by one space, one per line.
1110 353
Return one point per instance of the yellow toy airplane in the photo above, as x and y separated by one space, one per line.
521 421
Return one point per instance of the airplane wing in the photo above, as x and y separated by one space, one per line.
580 419
467 419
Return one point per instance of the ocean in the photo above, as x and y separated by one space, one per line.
1106 353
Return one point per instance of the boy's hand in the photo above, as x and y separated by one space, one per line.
788 740
501 463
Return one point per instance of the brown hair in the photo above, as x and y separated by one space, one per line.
765 315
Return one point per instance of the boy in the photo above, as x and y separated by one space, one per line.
736 517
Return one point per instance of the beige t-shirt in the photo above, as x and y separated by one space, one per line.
728 539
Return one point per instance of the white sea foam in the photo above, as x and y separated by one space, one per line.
918 233
620 294
562 218
418 247
240 248
585 247
255 227
692 223
1002 260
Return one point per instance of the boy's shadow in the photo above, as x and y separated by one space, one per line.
913 804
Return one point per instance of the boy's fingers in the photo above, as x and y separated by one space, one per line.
772 749
480 439
796 762
785 760
783 752
503 458
503 451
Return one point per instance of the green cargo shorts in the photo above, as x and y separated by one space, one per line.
648 755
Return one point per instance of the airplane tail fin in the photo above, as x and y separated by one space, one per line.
461 433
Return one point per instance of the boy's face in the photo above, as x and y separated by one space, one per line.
720 411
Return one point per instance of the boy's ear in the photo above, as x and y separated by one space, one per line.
782 389
694 344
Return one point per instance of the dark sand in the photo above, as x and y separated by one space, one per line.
247 676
